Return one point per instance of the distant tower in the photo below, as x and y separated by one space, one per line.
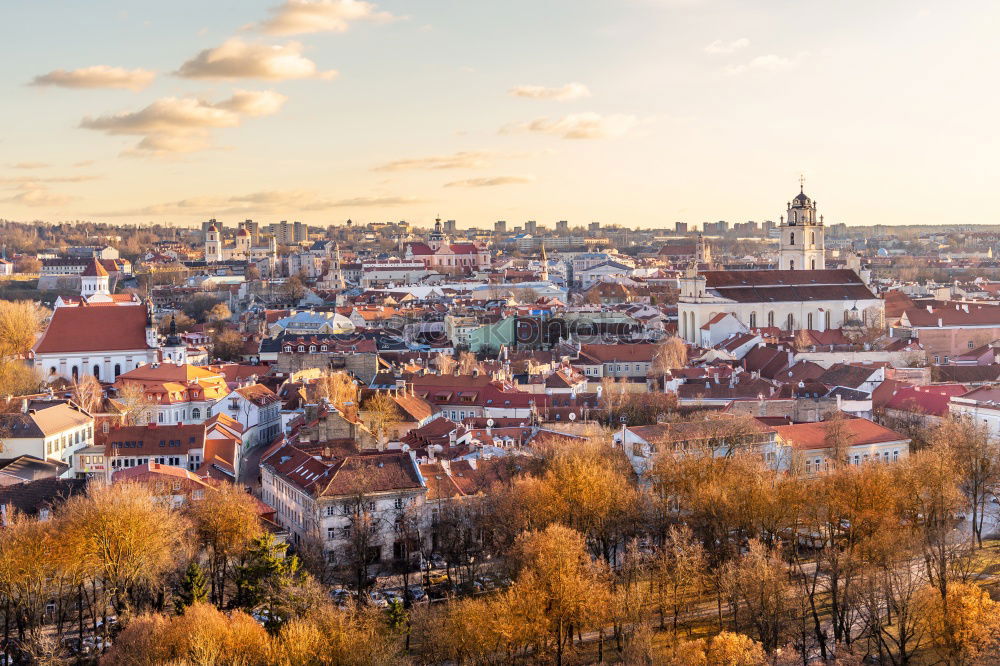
544 275
213 243
802 242
94 281
437 237
338 270
243 243
702 252
152 337
174 349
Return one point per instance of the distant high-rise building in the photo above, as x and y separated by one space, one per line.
289 234
500 227
681 227
531 227
594 226
562 227
449 226
719 227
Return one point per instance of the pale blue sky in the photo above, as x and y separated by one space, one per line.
697 110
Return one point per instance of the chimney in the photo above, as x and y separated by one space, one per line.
24 405
940 322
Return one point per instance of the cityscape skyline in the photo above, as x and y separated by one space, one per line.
640 113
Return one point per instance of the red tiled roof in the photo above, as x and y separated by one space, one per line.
85 328
94 269
932 400
860 432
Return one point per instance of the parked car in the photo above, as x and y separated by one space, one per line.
437 578
438 562
416 594
487 582
378 599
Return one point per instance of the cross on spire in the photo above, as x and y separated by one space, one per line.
802 183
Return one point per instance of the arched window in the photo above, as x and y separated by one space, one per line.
791 322
791 238
791 264
288 348
52 370
809 321
302 348
770 319
195 413
118 370
75 373
814 239
812 264
312 349
97 371
753 320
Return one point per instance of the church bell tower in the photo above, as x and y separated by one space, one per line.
802 242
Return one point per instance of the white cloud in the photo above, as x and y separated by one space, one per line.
37 195
719 47
237 59
98 76
461 160
265 202
182 124
562 93
492 182
30 165
764 63
297 17
587 125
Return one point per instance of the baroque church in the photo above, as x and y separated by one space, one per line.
101 334
800 294
243 250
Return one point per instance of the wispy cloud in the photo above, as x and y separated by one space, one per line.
182 124
477 159
30 165
37 195
258 203
719 47
491 182
560 93
578 126
764 63
237 59
298 17
98 76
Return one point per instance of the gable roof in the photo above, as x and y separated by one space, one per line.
860 432
85 328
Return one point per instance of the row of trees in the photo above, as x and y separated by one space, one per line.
858 561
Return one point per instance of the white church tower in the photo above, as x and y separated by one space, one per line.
94 283
802 242
213 244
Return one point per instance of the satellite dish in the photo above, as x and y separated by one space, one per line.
572 416
489 423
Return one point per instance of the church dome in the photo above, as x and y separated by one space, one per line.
212 227
801 198
242 232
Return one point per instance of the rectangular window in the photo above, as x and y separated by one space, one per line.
331 533
400 503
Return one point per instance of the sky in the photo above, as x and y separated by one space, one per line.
631 112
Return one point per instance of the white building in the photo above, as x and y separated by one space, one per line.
257 409
100 334
243 250
48 430
320 495
794 297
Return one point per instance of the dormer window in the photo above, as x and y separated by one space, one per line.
302 348
288 348
312 349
